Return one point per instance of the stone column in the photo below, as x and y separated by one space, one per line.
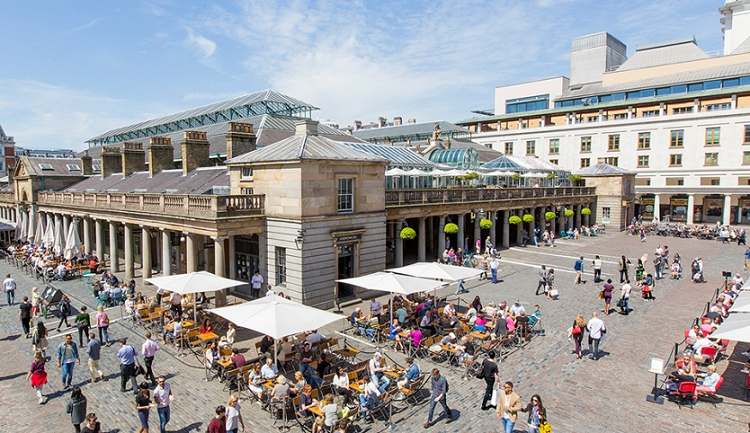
657 205
114 265
461 237
477 232
191 259
86 236
532 225
220 296
441 236
399 251
99 238
166 253
506 229
129 260
519 226
262 255
146 265
561 219
727 213
552 221
232 259
578 216
66 226
690 206
422 240
493 230
32 223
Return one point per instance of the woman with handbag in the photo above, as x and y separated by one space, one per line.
37 376
537 414
576 333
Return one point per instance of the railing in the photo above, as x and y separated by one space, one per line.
7 197
466 195
212 206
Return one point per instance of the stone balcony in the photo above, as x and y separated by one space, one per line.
7 197
179 205
411 197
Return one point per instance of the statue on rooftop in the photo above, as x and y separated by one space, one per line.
436 132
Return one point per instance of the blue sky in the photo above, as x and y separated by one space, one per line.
71 70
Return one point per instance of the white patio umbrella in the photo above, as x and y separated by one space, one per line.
72 241
393 283
276 317
49 233
396 172
21 227
39 233
735 328
534 175
31 225
59 244
193 282
741 304
437 271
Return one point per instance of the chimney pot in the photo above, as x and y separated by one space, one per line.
87 164
240 139
133 158
160 155
397 121
194 148
111 161
306 127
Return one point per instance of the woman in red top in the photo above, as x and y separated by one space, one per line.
206 327
38 376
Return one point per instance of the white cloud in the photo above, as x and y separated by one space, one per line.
43 115
203 46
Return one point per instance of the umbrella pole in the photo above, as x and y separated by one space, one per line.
275 351
390 303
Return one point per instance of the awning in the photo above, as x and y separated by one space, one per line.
393 283
438 271
741 303
736 328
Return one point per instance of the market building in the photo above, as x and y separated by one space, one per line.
676 116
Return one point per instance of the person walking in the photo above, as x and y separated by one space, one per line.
537 413
542 284
747 258
438 394
83 323
578 267
508 405
143 406
127 356
624 262
218 422
65 311
494 264
163 397
625 297
9 285
234 415
148 350
490 374
596 329
92 424
102 323
37 376
39 338
576 333
67 357
550 290
76 407
597 269
607 289
93 349
24 313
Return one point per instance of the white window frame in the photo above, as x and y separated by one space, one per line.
246 175
342 196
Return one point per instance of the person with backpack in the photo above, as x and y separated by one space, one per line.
576 333
76 407
578 267
438 394
39 338
83 323
65 311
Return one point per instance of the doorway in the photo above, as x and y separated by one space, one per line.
345 269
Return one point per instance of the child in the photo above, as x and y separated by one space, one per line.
318 425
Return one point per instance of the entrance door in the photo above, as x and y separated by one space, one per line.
346 269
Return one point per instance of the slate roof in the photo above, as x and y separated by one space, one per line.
199 181
52 166
397 156
309 147
522 164
602 169
664 54
407 130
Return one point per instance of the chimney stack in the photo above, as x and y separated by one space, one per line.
133 158
306 127
381 121
357 125
87 164
240 139
194 151
397 121
160 155
111 161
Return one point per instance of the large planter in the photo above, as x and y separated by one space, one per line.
514 219
549 216
408 233
528 218
568 213
585 211
485 224
450 228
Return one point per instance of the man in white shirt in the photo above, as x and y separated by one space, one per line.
494 265
9 284
517 309
596 330
625 290
314 338
149 349
369 397
268 371
375 368
256 283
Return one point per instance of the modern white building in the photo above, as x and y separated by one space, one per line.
675 115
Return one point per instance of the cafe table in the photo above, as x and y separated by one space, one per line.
357 386
208 336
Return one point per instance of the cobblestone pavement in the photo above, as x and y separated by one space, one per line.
581 396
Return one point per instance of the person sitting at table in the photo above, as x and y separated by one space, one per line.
465 351
306 401
255 381
375 368
692 335
449 338
280 391
269 371
401 314
311 376
393 334
116 294
93 264
324 365
476 304
299 382
411 374
60 271
510 323
480 324
212 357
174 334
231 333
206 327
314 337
522 323
265 345
287 348
238 359
415 338
516 309
449 310
330 411
130 307
702 342
175 303
341 384
428 324
369 397
708 384
687 369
